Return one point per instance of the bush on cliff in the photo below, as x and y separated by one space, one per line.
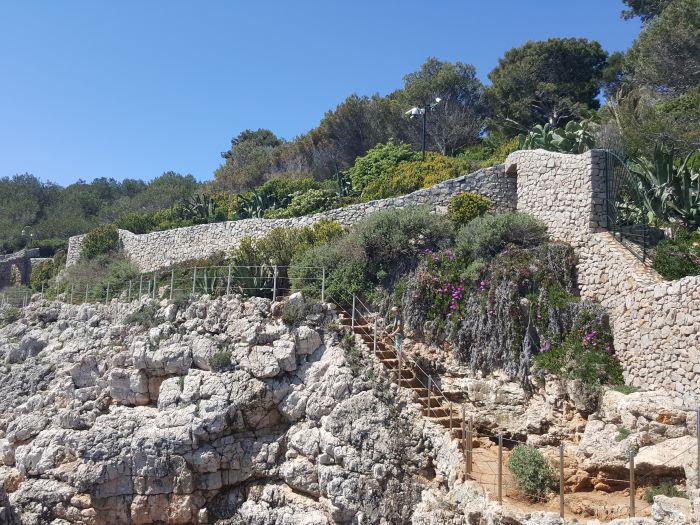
467 206
532 472
679 257
379 160
383 245
102 240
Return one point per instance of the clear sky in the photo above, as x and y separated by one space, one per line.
134 88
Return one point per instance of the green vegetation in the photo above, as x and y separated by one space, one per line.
9 315
575 137
145 316
220 361
626 389
378 161
665 488
467 206
411 175
532 472
679 257
100 241
622 434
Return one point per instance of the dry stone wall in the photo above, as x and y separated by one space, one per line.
656 323
156 250
16 266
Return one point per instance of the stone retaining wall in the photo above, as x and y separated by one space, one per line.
152 251
656 323
21 261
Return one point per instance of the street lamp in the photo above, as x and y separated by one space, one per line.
423 110
27 232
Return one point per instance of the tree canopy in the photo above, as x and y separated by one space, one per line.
549 81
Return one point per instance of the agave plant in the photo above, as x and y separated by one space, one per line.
575 137
670 192
198 208
344 183
256 203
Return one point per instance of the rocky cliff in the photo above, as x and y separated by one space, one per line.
241 411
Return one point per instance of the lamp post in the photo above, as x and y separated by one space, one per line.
28 233
423 110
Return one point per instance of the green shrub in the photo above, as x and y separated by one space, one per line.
378 161
307 203
102 240
575 137
665 488
490 152
41 274
383 244
464 207
625 389
679 257
220 360
113 269
586 353
137 222
532 472
9 315
146 316
484 237
409 176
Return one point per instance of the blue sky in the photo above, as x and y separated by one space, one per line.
135 88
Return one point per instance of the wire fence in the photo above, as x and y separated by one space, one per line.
216 281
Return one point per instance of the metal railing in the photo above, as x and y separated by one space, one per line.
625 210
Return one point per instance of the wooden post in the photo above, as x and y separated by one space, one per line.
451 436
228 281
500 468
155 284
86 293
429 379
194 279
633 488
42 290
470 429
72 288
129 297
140 286
561 480
697 433
375 336
464 440
107 294
172 282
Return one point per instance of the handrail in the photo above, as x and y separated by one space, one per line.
410 359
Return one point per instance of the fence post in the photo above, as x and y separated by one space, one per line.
72 288
697 433
500 468
274 286
42 291
129 297
140 286
464 442
107 295
561 480
172 283
323 285
470 430
155 284
352 315
228 281
86 293
194 279
451 436
429 385
633 489
375 336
